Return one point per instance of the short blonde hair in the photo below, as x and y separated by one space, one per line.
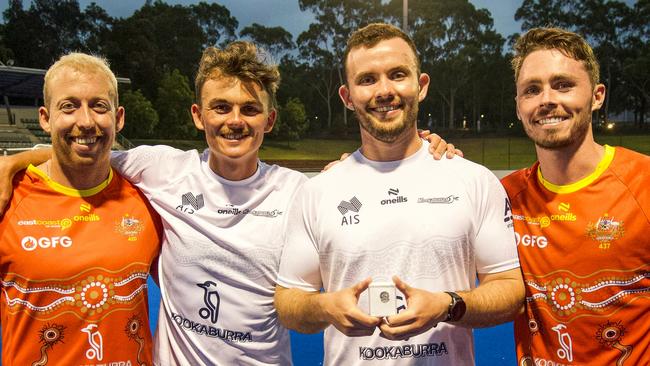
83 63
569 43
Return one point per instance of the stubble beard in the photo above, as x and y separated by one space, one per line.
551 140
388 132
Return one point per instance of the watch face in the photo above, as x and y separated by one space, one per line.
458 310
457 307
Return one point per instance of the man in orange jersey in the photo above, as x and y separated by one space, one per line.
77 240
581 216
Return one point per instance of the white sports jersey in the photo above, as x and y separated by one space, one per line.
435 224
219 259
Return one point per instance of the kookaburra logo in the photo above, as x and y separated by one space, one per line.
211 300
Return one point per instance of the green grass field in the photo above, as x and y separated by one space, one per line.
493 152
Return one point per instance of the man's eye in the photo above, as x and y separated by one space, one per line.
101 108
366 80
564 86
531 90
398 75
222 108
67 107
250 111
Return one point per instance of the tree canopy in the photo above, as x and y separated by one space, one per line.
159 45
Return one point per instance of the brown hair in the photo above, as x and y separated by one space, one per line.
241 60
83 63
370 35
569 43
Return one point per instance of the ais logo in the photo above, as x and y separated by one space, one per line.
30 243
345 208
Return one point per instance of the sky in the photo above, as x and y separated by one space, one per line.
287 14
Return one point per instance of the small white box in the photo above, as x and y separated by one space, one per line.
381 299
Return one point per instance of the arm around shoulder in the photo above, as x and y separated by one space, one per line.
10 165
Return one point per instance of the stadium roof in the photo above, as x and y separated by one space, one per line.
25 82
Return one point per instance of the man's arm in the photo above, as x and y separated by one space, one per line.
311 312
497 299
12 164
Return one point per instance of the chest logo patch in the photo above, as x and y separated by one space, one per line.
605 230
129 226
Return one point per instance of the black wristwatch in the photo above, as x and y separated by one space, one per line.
456 307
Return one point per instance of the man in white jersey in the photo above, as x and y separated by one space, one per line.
390 212
223 211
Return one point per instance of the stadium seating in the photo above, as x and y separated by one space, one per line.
35 128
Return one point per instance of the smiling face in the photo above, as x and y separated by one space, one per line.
384 88
555 99
81 117
235 116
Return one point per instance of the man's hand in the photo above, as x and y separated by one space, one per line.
332 163
6 187
341 310
10 165
424 310
438 146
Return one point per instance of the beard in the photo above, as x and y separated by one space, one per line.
556 139
388 131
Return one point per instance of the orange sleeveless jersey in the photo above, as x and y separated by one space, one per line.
74 267
585 255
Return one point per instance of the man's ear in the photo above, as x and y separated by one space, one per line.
423 84
517 108
196 116
270 121
44 119
344 93
598 97
119 119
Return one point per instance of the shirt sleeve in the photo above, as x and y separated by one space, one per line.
495 244
299 265
146 165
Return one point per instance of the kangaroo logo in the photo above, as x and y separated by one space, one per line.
211 300
96 350
563 336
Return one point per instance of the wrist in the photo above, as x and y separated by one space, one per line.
456 309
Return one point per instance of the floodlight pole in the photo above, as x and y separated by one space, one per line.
405 16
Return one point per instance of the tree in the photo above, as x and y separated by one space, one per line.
636 62
141 117
96 29
292 121
216 22
49 28
160 37
322 45
547 13
456 43
6 53
155 39
173 105
275 40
